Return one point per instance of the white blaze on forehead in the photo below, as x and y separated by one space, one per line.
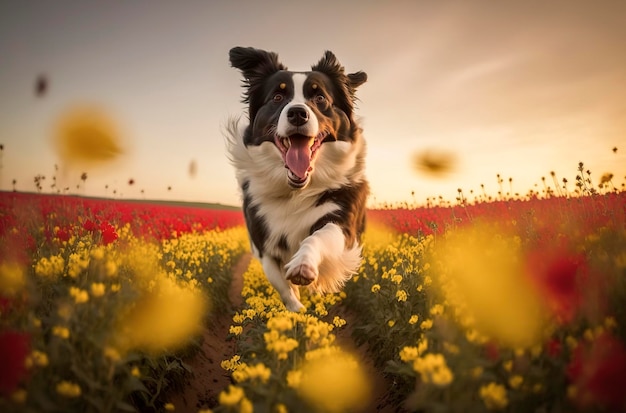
284 128
298 88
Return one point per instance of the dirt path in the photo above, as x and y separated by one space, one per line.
209 379
380 385
202 389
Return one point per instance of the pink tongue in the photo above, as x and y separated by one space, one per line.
298 157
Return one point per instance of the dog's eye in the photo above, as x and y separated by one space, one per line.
319 99
278 97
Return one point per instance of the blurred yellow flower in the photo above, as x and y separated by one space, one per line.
335 382
60 331
164 318
87 136
401 295
494 396
50 267
19 396
80 296
231 396
11 278
98 289
235 330
169 407
112 354
375 288
516 381
413 319
482 274
37 358
68 389
433 369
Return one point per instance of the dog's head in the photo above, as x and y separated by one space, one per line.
298 112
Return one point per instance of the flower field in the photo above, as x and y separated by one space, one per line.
508 305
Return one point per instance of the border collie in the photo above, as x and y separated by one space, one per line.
300 166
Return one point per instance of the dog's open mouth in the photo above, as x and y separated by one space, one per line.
299 153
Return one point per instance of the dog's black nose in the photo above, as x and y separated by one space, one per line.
298 115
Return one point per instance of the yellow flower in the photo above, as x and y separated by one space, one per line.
396 279
339 322
280 323
401 295
19 396
413 319
37 358
426 324
494 396
169 407
112 354
98 289
60 331
11 278
482 273
294 377
436 309
236 330
110 268
408 353
165 317
322 386
231 396
391 323
375 288
516 381
50 267
68 389
433 369
135 372
80 296
245 406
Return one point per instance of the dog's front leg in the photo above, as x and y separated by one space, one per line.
275 276
327 241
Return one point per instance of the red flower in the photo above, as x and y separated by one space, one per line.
63 235
558 275
14 348
108 233
90 226
597 371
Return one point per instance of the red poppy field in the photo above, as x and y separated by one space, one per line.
499 305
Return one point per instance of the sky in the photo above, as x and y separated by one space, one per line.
516 89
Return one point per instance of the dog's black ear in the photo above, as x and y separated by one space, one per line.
254 63
329 64
357 79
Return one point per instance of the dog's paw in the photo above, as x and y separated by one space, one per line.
294 306
300 273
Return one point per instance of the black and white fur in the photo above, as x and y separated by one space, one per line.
300 165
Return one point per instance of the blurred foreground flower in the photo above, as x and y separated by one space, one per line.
14 349
11 279
334 381
482 275
597 373
86 136
434 162
165 318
